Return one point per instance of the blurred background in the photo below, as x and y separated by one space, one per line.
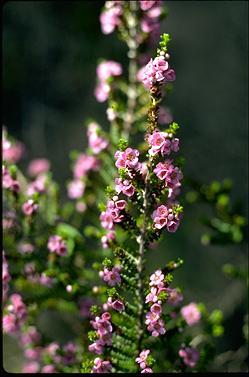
50 52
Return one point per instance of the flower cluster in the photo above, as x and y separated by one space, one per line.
17 313
84 164
191 314
101 366
111 277
105 71
156 71
46 359
95 142
103 328
162 142
142 361
57 245
166 216
153 321
110 16
152 10
113 213
5 277
190 356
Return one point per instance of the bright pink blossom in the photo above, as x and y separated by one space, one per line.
112 277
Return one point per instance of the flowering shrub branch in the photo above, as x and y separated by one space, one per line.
52 259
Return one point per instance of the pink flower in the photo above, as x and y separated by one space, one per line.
152 296
38 185
156 309
174 297
110 17
190 356
75 189
102 91
141 360
127 159
156 141
112 277
107 69
30 336
147 370
146 4
38 166
118 305
19 308
29 207
13 153
124 186
49 368
151 318
191 314
31 367
57 245
156 70
157 278
33 353
26 248
83 164
101 366
9 324
111 114
96 143
105 240
46 280
157 328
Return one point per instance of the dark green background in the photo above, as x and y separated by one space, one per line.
50 52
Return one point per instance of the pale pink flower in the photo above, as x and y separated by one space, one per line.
157 278
102 91
96 143
31 367
152 296
83 164
151 318
9 324
75 189
141 359
191 314
38 166
13 153
108 69
49 368
106 239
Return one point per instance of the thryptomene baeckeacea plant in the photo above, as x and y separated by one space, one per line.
88 256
